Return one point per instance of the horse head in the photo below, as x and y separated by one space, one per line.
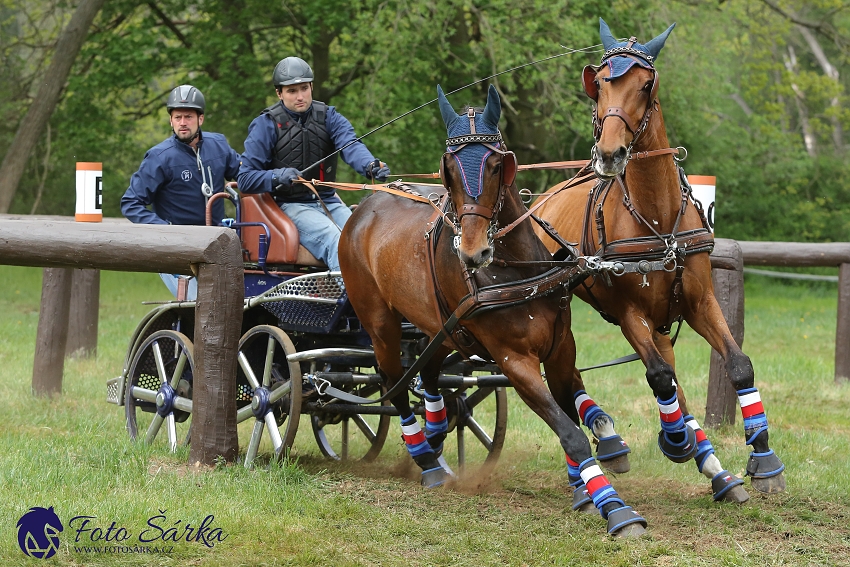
624 88
476 170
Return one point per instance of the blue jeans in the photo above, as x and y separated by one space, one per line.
317 232
170 281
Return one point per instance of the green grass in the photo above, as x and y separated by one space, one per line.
72 452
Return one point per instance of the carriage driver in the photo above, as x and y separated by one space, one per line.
292 135
179 175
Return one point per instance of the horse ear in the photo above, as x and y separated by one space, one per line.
509 167
446 110
608 39
588 81
654 45
493 109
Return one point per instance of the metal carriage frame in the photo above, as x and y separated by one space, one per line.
302 351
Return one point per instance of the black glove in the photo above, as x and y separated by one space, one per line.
378 170
283 178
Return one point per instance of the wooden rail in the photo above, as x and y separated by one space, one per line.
728 259
214 254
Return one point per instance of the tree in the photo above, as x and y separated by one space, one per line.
32 126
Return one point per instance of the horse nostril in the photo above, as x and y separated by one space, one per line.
620 153
485 256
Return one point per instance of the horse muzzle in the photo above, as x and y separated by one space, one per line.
609 165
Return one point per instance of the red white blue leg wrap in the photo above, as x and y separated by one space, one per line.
704 446
683 446
603 494
436 423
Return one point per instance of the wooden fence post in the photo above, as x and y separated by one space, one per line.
218 325
842 327
52 334
728 280
85 307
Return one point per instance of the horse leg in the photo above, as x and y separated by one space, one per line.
524 373
386 342
611 450
436 421
724 485
764 466
676 441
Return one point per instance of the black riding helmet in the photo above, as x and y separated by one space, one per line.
186 96
291 71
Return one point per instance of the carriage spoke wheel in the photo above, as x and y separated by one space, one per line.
478 421
355 436
276 389
158 398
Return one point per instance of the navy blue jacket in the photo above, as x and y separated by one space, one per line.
255 175
170 180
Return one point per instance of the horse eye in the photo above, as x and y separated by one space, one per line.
648 86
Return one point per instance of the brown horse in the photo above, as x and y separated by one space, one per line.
400 260
639 216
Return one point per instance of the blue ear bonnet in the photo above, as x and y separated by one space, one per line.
615 51
472 157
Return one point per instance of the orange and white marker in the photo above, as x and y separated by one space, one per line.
703 187
89 191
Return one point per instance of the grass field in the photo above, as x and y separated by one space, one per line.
72 452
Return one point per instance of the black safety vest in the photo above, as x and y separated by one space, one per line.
300 145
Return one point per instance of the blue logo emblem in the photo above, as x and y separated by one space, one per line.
186 175
38 532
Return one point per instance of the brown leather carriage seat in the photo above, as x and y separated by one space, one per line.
285 248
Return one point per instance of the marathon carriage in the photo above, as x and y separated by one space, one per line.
302 352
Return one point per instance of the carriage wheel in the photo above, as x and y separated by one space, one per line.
275 389
478 420
352 437
158 398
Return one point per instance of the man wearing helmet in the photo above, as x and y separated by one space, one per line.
178 175
289 137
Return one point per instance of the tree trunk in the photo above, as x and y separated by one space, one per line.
32 126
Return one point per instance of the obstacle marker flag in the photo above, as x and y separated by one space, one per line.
703 187
89 191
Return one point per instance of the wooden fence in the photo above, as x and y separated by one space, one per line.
728 259
213 254
72 253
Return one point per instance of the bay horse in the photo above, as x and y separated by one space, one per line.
640 212
403 258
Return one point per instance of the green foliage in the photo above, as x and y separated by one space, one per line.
740 85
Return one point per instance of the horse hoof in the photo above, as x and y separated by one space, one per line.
766 471
770 485
735 495
728 488
625 522
679 452
582 501
609 450
632 530
617 465
432 478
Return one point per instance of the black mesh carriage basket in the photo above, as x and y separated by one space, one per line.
311 303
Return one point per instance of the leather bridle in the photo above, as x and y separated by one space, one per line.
495 144
591 89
